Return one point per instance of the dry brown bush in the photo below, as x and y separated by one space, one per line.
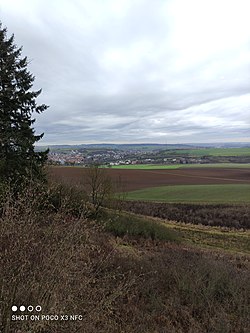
222 215
69 265
58 261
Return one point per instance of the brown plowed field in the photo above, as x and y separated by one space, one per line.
138 179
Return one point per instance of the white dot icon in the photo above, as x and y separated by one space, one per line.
30 308
38 308
22 308
14 308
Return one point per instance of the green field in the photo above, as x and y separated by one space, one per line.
180 166
146 166
230 193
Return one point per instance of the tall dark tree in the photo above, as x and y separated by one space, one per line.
18 158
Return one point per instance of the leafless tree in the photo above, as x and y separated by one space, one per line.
99 186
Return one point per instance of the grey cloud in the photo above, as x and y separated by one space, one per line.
114 74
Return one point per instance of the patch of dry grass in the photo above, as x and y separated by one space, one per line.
70 265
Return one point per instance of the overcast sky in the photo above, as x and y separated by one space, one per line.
133 71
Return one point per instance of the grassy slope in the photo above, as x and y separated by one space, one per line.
229 240
180 166
212 237
69 265
229 193
121 284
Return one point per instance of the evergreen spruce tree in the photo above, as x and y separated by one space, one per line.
18 158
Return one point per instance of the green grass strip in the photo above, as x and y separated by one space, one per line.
180 166
230 193
123 223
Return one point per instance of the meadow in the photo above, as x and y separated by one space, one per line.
229 193
179 166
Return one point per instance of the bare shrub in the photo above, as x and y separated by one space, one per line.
69 265
232 216
58 261
98 186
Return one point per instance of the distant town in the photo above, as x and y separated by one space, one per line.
115 155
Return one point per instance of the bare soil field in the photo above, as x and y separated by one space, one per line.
140 179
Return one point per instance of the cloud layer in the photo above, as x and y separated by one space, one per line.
137 70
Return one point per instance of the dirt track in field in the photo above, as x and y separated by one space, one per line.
139 179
